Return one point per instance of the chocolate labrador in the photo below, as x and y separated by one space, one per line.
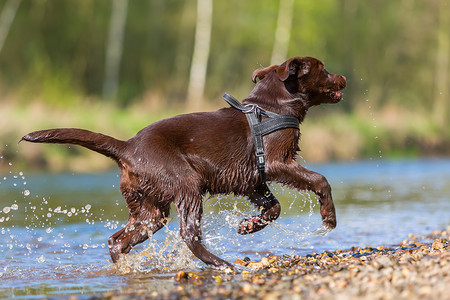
182 158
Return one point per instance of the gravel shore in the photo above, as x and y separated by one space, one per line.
417 268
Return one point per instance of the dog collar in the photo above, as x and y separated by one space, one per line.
261 127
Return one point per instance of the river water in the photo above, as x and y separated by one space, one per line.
54 227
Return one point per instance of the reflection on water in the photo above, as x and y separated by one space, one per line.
54 227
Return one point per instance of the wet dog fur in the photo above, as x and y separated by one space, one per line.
180 159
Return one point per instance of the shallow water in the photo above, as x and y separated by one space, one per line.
54 227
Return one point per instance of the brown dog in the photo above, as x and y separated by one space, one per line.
181 158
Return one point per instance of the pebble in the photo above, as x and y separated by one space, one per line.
181 276
247 288
417 268
241 262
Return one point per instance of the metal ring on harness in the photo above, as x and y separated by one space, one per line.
251 107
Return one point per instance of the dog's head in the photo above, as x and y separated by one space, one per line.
306 76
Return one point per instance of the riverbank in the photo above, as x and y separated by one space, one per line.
327 135
417 268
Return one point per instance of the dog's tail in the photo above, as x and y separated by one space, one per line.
97 142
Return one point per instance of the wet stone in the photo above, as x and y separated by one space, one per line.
415 269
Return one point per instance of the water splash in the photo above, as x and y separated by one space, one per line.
157 257
222 215
30 231
48 240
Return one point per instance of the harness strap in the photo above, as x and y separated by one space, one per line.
260 127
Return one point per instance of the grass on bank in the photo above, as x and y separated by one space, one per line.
330 135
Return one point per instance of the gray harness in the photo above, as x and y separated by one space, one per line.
261 127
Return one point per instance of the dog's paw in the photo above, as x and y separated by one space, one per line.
328 217
251 225
329 222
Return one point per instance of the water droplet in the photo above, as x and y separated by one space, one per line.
26 193
41 259
14 207
6 209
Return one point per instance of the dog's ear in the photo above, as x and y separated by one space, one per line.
261 72
296 66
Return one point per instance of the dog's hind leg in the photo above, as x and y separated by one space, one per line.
190 211
269 206
139 227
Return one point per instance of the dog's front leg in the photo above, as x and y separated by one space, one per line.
300 178
190 212
268 205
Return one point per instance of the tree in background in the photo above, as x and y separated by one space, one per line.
6 19
441 94
114 48
199 62
282 31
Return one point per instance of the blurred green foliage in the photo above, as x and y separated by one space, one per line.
387 48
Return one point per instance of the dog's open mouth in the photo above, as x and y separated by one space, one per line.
334 95
337 95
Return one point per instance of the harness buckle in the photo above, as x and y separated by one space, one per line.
261 165
261 160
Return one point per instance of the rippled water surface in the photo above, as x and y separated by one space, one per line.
54 227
